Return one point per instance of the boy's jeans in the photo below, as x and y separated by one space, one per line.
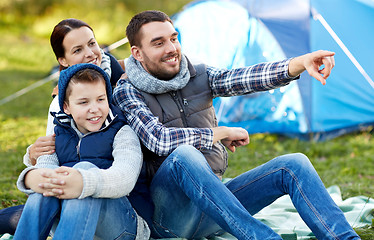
190 200
78 218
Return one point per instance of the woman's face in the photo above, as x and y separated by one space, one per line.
80 47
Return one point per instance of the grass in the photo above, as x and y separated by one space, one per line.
346 161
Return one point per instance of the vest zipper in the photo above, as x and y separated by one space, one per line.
78 148
80 140
178 101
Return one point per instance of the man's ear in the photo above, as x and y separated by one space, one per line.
62 62
66 108
136 53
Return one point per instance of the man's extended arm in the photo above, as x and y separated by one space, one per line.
271 75
256 78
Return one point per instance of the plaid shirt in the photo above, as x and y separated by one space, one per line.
162 140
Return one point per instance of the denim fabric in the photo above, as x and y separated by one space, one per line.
77 218
191 202
9 218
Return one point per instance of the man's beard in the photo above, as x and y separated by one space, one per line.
158 72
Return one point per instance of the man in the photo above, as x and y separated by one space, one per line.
168 102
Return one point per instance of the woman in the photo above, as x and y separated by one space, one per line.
73 42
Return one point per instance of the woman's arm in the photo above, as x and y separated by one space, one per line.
43 145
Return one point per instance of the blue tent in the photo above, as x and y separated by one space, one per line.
236 33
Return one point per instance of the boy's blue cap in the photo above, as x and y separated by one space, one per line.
68 73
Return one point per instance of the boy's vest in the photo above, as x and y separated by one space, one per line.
190 107
94 147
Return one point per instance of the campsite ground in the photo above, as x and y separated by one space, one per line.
25 58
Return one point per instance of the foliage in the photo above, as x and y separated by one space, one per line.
108 18
41 7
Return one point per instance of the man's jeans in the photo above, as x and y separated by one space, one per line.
191 202
78 218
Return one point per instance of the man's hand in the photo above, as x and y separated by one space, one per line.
231 137
43 146
312 62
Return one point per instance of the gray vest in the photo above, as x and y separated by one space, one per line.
190 107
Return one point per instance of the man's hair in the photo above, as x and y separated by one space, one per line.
133 29
86 75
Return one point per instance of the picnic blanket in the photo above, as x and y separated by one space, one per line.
283 218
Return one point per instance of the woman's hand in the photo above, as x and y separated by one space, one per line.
43 146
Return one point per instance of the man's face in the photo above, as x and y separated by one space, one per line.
160 51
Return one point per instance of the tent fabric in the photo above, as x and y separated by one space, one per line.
237 33
283 218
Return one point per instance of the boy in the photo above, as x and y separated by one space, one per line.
100 159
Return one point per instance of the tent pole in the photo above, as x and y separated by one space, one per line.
53 76
319 17
116 44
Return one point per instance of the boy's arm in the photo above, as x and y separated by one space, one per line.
118 180
30 178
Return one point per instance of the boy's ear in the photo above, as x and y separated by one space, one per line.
62 62
66 108
136 53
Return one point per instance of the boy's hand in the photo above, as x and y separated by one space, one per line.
41 180
64 183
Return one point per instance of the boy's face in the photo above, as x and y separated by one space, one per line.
160 51
88 105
